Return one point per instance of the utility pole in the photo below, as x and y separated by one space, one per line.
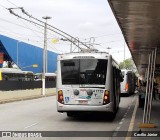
45 69
124 55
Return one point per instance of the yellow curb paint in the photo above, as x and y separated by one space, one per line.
149 125
132 121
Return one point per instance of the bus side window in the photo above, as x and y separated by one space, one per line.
6 77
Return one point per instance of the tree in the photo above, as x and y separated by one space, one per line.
128 64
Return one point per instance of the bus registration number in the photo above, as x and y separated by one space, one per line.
83 102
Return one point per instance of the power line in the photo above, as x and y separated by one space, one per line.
12 3
111 41
20 25
107 35
104 35
3 6
26 27
51 46
11 12
30 16
22 21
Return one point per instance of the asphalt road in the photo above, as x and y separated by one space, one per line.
41 115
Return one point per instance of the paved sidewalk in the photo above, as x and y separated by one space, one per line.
155 119
11 96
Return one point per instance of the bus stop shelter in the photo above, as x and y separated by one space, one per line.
139 21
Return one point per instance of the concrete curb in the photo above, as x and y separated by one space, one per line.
26 98
20 95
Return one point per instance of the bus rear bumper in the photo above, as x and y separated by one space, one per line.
101 108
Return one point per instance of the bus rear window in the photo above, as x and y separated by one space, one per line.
84 71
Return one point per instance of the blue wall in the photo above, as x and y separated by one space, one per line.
28 55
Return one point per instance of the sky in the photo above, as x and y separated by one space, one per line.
91 21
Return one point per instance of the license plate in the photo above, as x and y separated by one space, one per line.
83 102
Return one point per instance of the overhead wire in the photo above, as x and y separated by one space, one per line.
26 27
24 23
35 24
11 11
12 3
2 6
20 25
15 23
30 16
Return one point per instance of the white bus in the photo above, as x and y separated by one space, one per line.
12 74
48 76
87 82
129 83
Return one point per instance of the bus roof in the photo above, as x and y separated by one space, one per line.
11 70
84 55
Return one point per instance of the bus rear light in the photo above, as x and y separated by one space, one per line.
60 92
126 86
60 96
106 92
106 97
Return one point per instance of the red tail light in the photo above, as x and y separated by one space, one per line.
126 87
106 97
60 97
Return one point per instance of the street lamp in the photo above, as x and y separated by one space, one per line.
33 65
44 55
91 42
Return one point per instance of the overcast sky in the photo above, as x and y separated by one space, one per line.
83 19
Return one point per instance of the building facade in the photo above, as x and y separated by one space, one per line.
25 55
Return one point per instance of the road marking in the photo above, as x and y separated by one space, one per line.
132 121
30 125
117 128
121 122
115 132
123 119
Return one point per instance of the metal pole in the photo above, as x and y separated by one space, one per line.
147 87
124 50
44 55
77 39
150 87
124 56
91 43
150 104
71 45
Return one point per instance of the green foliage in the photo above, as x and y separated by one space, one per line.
127 64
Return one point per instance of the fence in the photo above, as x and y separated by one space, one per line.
22 85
